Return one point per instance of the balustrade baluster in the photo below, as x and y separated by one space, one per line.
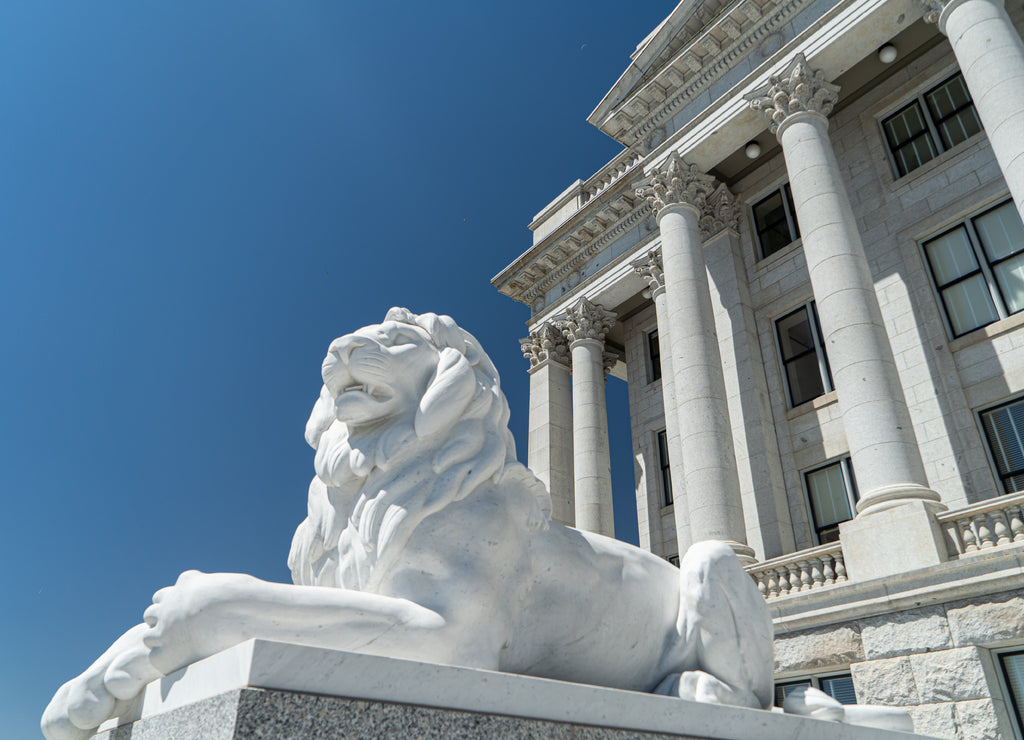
783 581
984 530
829 570
773 583
1001 528
967 533
794 578
806 583
840 567
817 579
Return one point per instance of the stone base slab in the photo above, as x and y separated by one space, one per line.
275 691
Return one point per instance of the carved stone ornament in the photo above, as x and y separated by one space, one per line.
677 182
415 464
933 8
649 267
546 343
609 360
587 320
720 213
798 89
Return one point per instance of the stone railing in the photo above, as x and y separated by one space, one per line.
600 180
817 567
992 523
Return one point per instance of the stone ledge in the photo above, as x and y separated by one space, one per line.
310 686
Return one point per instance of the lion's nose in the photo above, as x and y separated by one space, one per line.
335 368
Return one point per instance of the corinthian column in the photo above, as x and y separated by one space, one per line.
991 56
550 438
875 417
678 195
650 268
585 327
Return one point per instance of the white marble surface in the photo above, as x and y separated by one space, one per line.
269 665
426 540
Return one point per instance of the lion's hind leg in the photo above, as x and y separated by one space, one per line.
725 632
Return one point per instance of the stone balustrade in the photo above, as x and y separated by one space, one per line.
993 523
611 172
817 567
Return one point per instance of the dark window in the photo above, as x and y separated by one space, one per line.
833 495
978 268
663 466
839 688
938 120
674 559
1004 428
1013 673
654 355
803 356
775 221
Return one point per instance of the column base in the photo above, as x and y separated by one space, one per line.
745 553
880 499
886 542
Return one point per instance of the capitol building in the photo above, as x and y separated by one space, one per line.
807 262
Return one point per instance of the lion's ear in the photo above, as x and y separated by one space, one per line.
449 393
321 418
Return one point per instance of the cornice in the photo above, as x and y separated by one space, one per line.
583 235
699 61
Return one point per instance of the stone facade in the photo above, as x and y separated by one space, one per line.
726 108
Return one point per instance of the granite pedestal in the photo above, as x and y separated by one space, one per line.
274 690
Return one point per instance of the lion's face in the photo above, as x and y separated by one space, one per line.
379 372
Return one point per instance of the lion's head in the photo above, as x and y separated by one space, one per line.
410 418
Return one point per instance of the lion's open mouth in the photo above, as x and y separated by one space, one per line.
368 389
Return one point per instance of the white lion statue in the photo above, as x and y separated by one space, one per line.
435 545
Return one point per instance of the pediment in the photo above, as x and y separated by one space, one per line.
695 46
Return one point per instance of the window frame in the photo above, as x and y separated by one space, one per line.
1013 710
814 681
845 464
935 138
654 369
1000 477
790 212
664 468
817 339
985 268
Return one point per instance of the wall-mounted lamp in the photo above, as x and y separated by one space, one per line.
752 150
887 54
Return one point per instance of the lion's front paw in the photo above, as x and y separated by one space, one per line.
57 724
191 620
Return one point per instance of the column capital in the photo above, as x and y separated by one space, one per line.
937 11
587 320
650 268
546 344
677 183
798 89
720 213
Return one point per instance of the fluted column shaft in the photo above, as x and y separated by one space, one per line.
651 268
711 481
874 411
991 56
586 325
550 422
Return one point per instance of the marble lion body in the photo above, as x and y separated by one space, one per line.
425 539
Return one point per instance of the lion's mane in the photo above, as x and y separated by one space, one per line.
459 431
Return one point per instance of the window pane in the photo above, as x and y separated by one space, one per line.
654 354
1000 231
1010 276
782 690
792 210
804 377
951 256
953 112
969 304
771 223
830 503
1004 428
663 466
909 140
840 688
1013 669
795 334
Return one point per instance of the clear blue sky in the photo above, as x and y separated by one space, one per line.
195 198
